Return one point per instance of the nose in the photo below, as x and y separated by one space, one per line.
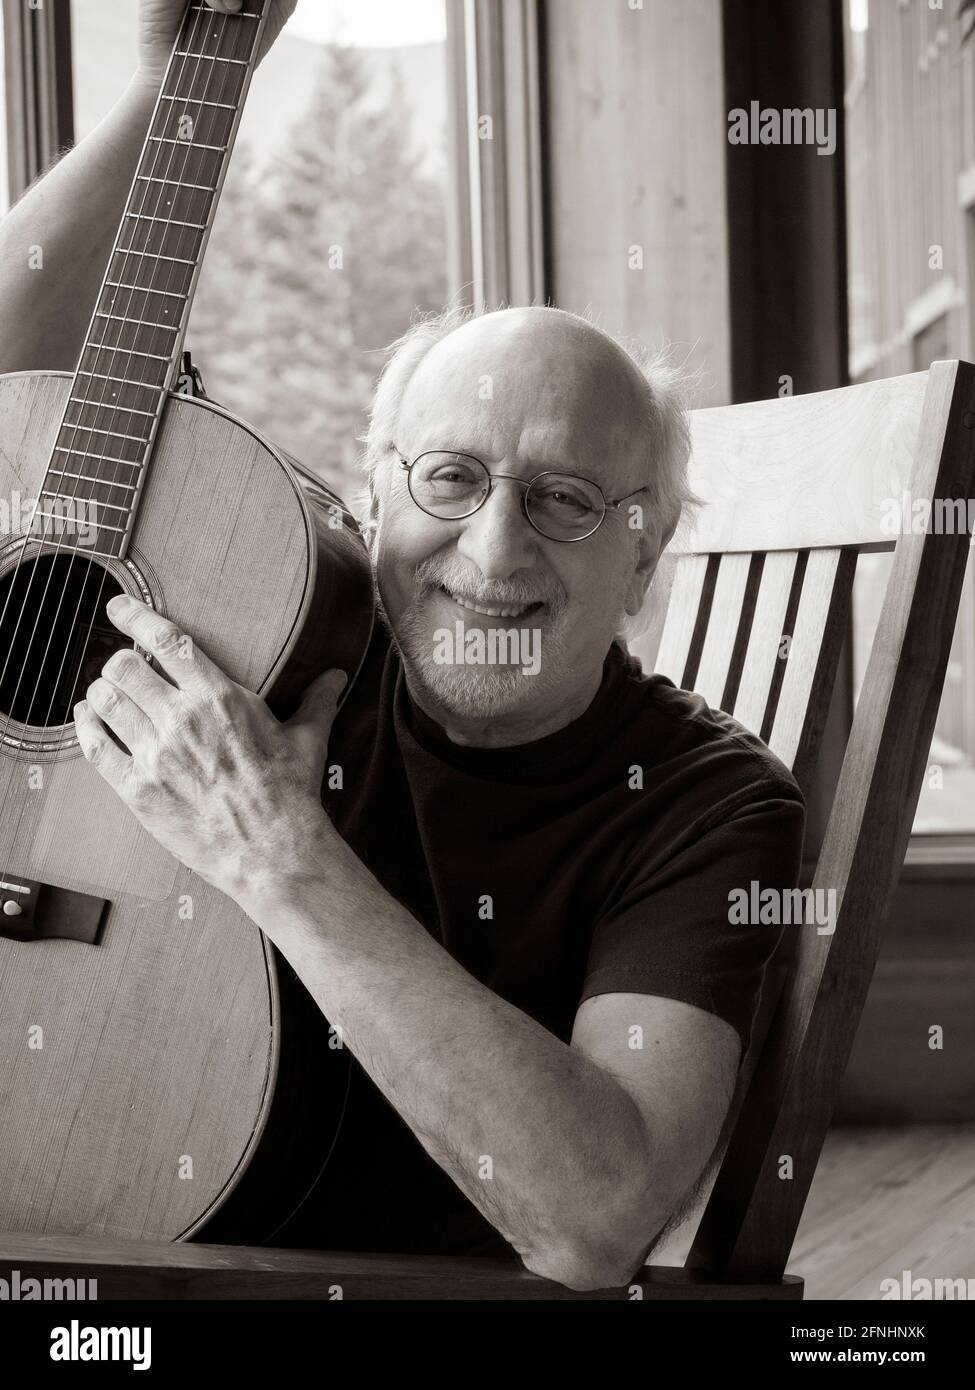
499 538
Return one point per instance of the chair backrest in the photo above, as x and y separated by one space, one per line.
759 597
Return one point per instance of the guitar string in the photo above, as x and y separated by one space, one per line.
65 428
178 179
211 17
189 37
75 494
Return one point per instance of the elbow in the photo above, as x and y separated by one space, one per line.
608 1258
584 1269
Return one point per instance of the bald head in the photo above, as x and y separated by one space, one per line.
546 363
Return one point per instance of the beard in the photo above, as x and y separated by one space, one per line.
479 691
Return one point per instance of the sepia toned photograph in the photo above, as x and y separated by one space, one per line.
487 707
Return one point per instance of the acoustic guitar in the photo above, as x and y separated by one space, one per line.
155 1053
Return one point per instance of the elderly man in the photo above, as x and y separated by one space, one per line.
515 907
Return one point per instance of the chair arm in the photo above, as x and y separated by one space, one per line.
183 1270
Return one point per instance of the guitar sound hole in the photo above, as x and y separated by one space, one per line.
55 636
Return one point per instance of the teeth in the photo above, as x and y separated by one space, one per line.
488 610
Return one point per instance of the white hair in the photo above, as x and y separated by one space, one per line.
668 387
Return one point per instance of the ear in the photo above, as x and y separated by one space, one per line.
647 555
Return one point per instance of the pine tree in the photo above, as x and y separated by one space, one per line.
318 266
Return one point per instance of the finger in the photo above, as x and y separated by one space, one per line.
319 701
176 652
105 756
121 714
224 6
144 686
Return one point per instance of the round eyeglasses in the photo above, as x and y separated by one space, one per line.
560 506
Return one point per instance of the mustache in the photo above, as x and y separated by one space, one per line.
512 593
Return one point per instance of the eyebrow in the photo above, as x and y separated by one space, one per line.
536 465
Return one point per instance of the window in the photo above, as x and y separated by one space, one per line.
332 226
909 240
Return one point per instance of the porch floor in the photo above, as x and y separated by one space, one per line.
884 1200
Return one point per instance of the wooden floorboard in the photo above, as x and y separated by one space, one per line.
884 1200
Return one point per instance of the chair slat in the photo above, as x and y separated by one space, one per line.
765 639
807 680
682 615
724 622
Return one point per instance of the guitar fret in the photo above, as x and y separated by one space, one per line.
124 381
102 525
176 183
87 550
213 57
143 323
199 101
152 256
87 478
79 497
129 352
89 429
169 221
102 554
190 144
144 289
204 9
111 405
101 458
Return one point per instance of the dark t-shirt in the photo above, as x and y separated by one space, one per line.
607 851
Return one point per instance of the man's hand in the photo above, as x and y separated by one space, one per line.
211 774
159 22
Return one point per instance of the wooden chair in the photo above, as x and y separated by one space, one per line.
795 489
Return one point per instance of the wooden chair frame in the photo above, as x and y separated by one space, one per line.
795 489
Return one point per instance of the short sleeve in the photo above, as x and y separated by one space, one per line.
672 930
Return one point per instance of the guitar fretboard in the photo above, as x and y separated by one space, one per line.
98 466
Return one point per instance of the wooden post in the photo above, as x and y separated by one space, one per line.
38 87
787 252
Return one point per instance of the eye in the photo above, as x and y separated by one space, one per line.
451 475
560 497
443 477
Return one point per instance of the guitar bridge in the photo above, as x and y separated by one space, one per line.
32 911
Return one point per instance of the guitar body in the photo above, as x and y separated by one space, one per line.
139 1068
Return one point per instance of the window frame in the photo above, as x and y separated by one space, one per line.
38 90
498 233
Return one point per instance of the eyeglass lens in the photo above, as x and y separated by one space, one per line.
560 505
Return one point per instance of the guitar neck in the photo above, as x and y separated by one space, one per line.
132 349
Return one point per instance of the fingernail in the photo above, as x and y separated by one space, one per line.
336 681
118 604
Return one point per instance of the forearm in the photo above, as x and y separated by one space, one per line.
545 1143
55 243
